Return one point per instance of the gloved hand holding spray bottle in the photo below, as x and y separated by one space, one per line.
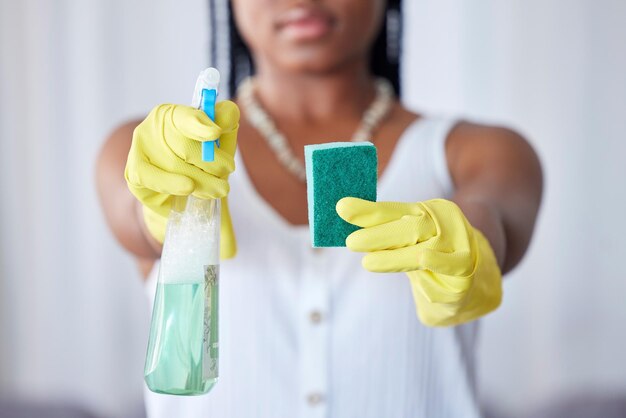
182 357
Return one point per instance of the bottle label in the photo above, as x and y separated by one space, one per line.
210 364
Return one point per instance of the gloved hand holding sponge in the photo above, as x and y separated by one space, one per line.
165 161
454 274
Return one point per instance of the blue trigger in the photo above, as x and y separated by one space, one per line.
207 104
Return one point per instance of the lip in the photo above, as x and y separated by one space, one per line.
304 23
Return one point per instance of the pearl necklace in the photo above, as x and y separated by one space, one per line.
263 123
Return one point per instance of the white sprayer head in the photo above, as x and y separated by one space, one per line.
208 79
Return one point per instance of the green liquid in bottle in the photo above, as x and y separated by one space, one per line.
183 348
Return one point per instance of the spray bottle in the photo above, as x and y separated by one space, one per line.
182 356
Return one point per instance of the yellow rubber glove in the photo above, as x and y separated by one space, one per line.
453 272
165 160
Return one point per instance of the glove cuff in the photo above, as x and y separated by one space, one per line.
155 224
228 242
483 296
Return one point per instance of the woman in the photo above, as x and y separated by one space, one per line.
318 332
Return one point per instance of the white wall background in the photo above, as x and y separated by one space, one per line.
73 318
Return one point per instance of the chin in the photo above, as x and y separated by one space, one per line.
313 61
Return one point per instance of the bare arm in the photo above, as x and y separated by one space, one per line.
122 211
499 185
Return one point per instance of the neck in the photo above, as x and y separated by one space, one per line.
307 97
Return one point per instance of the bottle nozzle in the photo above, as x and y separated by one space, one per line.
204 97
208 79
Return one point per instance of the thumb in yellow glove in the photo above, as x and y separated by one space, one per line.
453 272
165 160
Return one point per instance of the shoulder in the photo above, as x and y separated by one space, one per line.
493 153
400 117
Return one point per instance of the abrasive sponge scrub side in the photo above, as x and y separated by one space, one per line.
334 171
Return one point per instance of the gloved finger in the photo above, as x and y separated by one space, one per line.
215 189
203 185
145 175
190 151
388 261
228 142
365 213
227 118
193 123
406 231
159 203
228 242
223 164
457 263
155 223
435 288
420 257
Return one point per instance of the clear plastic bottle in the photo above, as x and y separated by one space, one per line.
183 349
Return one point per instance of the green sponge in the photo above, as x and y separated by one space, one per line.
334 171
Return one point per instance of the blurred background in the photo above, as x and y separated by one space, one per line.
73 315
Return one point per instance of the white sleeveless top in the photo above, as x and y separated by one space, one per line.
309 333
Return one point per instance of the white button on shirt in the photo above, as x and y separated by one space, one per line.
315 399
310 334
315 317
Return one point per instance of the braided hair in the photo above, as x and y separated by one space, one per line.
236 60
